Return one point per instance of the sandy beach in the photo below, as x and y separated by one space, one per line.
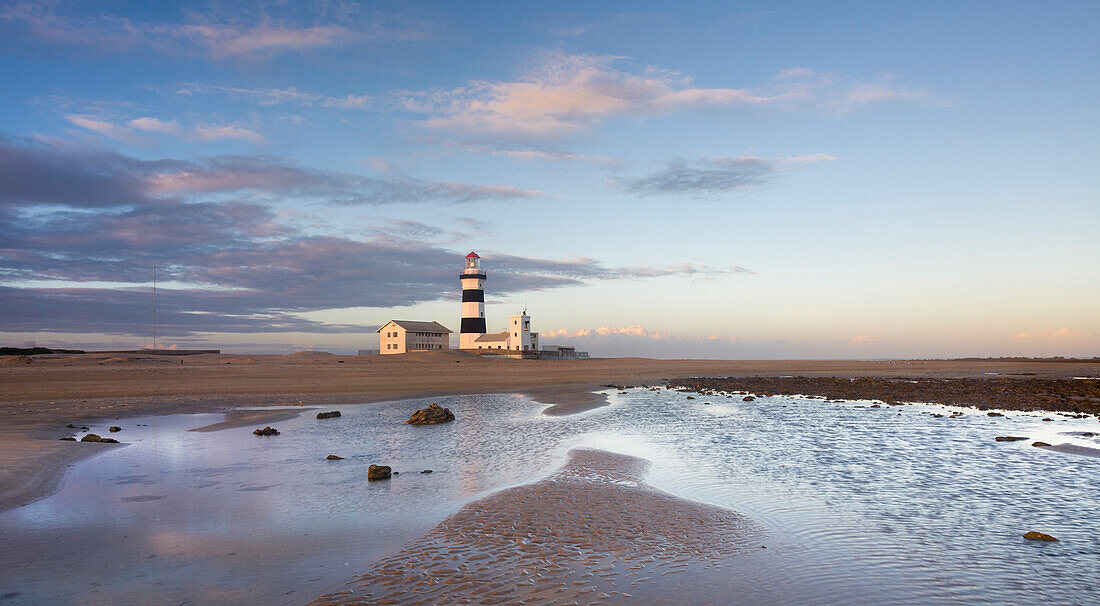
593 530
38 400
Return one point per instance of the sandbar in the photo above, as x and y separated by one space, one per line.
592 530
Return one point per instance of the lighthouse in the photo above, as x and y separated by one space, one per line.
473 302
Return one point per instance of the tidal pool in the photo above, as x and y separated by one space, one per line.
859 504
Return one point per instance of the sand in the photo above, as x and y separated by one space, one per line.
594 530
38 400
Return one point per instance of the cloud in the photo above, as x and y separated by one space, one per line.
72 216
54 26
277 96
155 125
211 132
864 339
106 129
561 94
712 176
128 134
47 173
1052 334
634 330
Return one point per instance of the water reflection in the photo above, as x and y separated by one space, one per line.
860 504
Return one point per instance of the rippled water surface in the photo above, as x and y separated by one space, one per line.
863 505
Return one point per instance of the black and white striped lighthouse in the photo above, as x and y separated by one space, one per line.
473 302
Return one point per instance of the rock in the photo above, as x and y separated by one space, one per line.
1039 444
1009 438
993 414
1048 419
334 458
328 415
1038 536
71 426
877 406
691 398
267 431
747 399
114 429
94 438
67 439
378 472
432 414
426 471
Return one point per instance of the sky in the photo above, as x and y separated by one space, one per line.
706 179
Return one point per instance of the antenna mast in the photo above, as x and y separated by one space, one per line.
154 307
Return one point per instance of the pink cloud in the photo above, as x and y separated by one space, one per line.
562 94
1052 333
566 93
155 125
246 36
106 129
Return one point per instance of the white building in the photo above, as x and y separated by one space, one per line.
516 342
401 336
518 337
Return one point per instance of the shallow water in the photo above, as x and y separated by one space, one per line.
860 505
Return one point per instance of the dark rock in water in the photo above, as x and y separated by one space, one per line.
877 406
396 473
267 431
378 472
937 416
432 414
67 439
94 438
114 429
1039 444
328 415
71 426
1009 438
747 399
1048 419
993 414
334 458
426 471
691 398
1038 536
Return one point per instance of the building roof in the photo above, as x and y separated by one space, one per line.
472 255
492 337
417 326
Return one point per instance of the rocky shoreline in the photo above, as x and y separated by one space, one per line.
1078 397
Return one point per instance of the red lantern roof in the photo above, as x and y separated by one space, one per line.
472 255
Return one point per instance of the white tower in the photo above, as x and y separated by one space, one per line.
519 332
473 302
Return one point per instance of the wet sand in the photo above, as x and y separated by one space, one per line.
594 530
242 417
39 399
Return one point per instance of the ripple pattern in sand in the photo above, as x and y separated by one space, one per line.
593 532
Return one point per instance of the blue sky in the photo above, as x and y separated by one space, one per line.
817 180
